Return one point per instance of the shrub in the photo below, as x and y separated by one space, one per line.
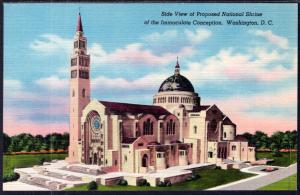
122 182
198 175
147 184
92 185
11 177
41 161
168 183
218 167
161 184
141 182
189 178
195 176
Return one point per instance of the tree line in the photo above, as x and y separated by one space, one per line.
278 140
26 142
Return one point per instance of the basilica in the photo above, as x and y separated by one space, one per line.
175 130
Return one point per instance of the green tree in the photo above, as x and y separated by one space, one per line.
6 142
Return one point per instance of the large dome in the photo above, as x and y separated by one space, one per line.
176 82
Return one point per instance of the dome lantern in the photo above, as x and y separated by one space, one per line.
177 68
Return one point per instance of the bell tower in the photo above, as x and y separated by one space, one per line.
79 89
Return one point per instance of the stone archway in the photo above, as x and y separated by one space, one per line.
145 160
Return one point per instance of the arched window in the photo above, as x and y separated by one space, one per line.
148 127
173 128
170 127
73 93
145 160
224 135
83 92
195 129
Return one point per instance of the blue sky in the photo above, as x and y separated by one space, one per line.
226 64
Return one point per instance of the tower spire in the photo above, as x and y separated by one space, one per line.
177 68
79 23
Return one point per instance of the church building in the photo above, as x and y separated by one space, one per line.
175 130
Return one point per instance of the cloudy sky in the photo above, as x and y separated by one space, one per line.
250 73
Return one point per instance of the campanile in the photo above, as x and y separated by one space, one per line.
79 88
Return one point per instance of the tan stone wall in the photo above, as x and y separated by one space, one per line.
230 132
128 165
195 149
212 147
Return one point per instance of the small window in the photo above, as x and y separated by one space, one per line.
233 148
210 154
105 161
81 44
83 92
73 73
125 157
158 155
76 44
140 144
195 129
161 125
74 62
116 162
182 153
73 94
224 134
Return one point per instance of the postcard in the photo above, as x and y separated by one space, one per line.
150 96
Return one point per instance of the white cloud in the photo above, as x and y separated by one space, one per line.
258 64
51 43
14 90
281 42
53 83
156 37
150 81
198 36
12 84
135 54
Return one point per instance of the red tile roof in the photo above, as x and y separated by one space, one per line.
240 138
199 108
227 121
122 108
129 140
79 24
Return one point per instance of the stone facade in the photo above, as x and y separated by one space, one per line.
175 130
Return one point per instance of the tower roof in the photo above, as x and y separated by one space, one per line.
177 64
79 24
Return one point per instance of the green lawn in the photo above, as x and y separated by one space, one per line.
285 160
209 178
289 183
27 160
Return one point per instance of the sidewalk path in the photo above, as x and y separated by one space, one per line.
262 179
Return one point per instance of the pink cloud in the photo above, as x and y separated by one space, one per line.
135 54
255 64
16 120
236 109
14 127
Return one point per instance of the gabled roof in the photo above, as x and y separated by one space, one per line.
129 140
227 121
122 108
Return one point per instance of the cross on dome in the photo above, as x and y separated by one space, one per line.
177 68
